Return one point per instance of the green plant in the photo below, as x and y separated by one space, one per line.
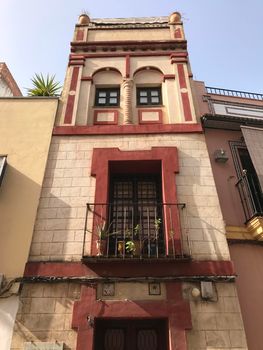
137 230
101 232
130 247
44 86
157 223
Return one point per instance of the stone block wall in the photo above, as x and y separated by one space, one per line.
68 186
45 315
216 324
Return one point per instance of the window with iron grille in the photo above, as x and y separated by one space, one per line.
107 97
135 211
149 96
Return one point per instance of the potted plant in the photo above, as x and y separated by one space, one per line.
121 247
102 234
133 245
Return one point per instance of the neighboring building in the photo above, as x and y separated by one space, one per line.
129 248
8 86
233 123
25 133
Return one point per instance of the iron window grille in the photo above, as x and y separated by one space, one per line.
107 97
150 96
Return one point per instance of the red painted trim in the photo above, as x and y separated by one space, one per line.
182 81
160 113
76 57
80 35
131 269
71 98
69 109
128 66
87 79
127 129
178 33
76 63
179 60
179 54
74 79
114 111
175 309
168 76
184 95
169 160
186 106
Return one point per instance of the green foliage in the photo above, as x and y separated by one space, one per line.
44 86
130 247
157 223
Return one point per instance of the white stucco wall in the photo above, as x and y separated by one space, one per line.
8 310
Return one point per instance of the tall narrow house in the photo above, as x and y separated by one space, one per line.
129 248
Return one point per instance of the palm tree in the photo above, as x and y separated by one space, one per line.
44 86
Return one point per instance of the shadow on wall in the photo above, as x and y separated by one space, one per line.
19 197
196 188
45 310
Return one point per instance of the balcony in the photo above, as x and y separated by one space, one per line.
135 232
251 196
234 93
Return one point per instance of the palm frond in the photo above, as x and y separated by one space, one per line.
44 86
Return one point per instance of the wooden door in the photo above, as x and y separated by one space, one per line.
130 334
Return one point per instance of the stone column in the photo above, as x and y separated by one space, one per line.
127 94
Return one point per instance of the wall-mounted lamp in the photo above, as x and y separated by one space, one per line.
195 293
220 156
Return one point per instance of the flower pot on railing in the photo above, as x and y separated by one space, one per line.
121 248
101 247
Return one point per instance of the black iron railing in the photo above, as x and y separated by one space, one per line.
251 197
234 93
136 230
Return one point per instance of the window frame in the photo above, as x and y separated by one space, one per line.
107 91
148 91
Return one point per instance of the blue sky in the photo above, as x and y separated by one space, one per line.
225 37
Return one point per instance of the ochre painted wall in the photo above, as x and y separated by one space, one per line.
25 133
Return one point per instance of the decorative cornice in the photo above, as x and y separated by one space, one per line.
128 45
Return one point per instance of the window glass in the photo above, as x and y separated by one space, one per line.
149 96
107 97
155 100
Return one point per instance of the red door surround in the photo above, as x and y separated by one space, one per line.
174 309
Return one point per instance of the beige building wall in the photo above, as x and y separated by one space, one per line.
216 324
68 186
25 134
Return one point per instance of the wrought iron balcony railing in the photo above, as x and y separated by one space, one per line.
234 93
251 196
136 230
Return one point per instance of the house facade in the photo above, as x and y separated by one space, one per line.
129 249
25 133
8 85
233 124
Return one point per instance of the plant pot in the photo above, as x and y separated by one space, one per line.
120 248
101 247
